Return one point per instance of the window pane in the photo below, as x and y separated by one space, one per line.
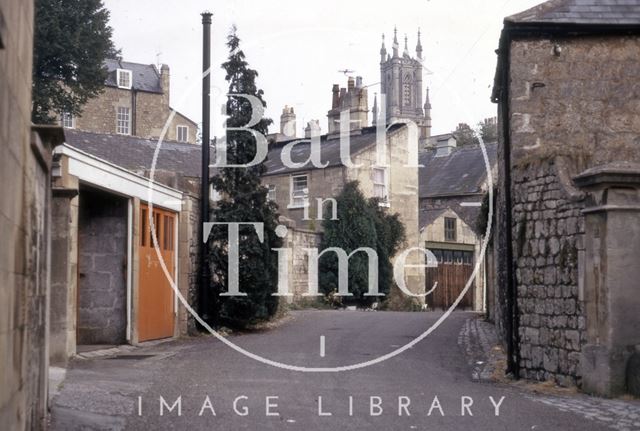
67 120
123 120
183 134
299 190
271 195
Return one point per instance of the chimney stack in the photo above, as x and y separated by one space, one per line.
312 129
353 99
288 122
165 83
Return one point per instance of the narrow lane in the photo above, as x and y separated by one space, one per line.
397 394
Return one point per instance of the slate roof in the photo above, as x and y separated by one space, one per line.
136 154
426 217
145 77
581 12
329 150
460 173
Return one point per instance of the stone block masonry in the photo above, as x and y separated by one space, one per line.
573 104
102 294
548 231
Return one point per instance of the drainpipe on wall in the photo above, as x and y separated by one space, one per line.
204 293
134 111
512 314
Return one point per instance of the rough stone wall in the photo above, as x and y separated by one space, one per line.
547 231
24 227
102 292
152 112
570 109
188 262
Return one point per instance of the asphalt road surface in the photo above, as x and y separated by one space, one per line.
428 387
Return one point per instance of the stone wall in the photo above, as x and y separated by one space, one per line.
24 229
64 271
573 104
322 183
188 262
102 257
548 230
299 275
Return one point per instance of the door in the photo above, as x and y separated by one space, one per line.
452 274
155 295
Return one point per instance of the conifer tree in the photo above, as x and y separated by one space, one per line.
244 200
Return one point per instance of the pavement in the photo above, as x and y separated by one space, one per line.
442 383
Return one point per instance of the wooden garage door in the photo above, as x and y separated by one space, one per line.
155 298
453 271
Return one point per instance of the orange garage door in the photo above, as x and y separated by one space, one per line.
155 298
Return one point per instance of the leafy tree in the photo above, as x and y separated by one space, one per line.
72 39
361 223
244 199
465 135
488 130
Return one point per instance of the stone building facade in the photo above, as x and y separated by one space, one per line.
566 85
302 193
453 184
25 220
136 102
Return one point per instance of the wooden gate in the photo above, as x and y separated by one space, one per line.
452 274
155 314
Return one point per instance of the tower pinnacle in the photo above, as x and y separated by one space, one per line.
383 51
395 42
419 46
374 110
406 47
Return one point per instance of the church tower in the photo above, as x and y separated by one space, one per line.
401 85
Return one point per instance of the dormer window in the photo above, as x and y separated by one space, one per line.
124 79
67 120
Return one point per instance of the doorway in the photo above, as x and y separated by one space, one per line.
102 268
155 296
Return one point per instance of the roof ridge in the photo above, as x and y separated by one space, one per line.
537 11
129 137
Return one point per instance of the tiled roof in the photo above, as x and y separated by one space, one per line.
136 154
614 12
459 173
329 149
145 77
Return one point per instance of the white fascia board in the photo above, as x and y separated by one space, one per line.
108 176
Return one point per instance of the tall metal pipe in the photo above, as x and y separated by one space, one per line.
204 292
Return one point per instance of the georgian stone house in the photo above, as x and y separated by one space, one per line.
135 102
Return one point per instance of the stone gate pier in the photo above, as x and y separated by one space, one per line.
611 277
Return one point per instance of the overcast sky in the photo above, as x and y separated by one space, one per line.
298 47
